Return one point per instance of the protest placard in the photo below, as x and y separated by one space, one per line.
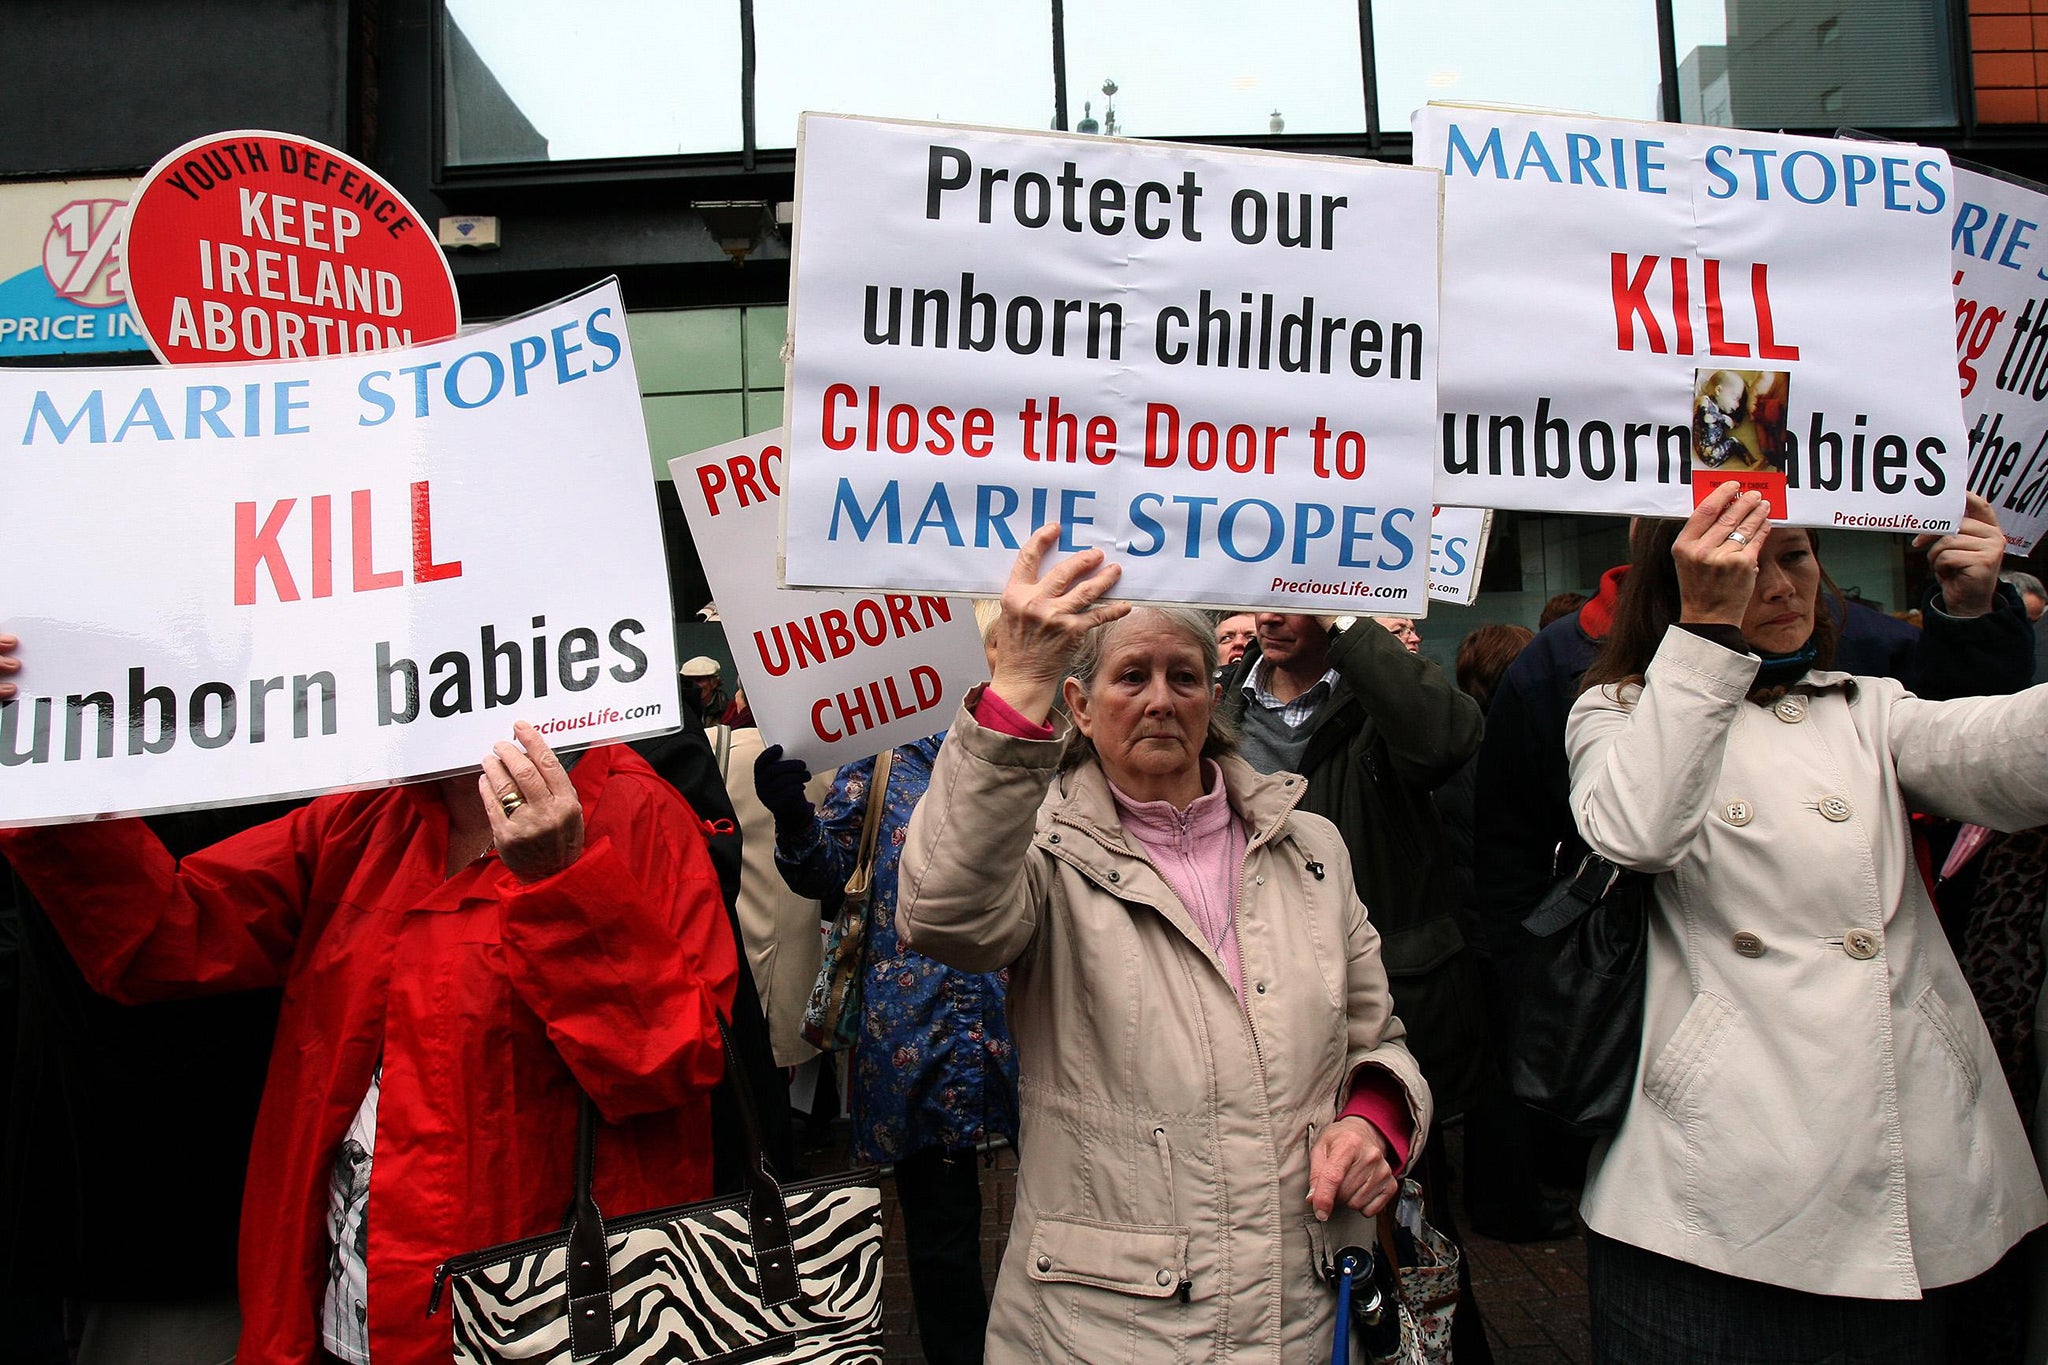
1626 303
2001 287
265 246
1215 365
830 676
255 581
1457 552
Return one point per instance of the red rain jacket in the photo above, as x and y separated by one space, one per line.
489 1001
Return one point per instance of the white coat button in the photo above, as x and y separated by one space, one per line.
1165 1277
1791 710
1738 813
1044 1264
1748 944
1834 808
1259 880
1860 944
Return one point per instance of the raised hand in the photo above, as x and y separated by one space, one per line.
536 816
1717 554
1966 562
780 783
1044 620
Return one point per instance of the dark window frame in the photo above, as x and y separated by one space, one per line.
747 162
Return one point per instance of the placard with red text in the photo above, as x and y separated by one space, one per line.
831 676
1217 366
256 581
2001 285
1627 302
267 246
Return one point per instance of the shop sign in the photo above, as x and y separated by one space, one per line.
63 285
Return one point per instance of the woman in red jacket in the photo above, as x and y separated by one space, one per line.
460 960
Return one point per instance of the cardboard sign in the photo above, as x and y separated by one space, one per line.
831 676
1457 552
263 246
1215 365
249 582
1625 303
63 285
2001 286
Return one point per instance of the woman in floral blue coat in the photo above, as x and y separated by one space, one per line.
933 1070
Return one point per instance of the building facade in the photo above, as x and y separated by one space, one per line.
654 140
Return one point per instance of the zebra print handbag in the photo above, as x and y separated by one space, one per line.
783 1272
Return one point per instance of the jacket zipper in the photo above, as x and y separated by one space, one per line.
1172 1203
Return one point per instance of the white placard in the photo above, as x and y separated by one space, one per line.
1626 302
2001 284
1457 552
830 676
250 581
1216 365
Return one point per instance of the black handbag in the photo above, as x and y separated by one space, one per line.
1579 1026
792 1272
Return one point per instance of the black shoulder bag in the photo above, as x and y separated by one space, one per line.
1579 1027
792 1272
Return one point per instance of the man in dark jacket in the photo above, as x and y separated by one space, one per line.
1375 729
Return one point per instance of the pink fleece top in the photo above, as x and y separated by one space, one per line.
1199 853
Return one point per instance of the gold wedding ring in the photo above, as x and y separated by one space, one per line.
510 800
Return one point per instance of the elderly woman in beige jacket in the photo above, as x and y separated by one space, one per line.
1821 1136
1209 1060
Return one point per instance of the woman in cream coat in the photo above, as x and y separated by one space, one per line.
1821 1134
1205 1073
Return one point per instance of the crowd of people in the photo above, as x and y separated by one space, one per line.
1215 919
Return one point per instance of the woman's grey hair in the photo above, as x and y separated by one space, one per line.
1200 632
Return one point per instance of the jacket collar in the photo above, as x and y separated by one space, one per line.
1081 798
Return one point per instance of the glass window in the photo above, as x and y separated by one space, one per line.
707 376
1588 56
538 80
690 350
988 62
1192 68
1814 63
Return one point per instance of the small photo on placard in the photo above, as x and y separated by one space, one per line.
1738 420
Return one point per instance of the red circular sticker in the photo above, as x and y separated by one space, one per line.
264 246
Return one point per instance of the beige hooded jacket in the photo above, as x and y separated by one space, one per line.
1819 1105
1162 1201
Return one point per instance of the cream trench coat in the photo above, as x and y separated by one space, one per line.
1819 1104
1162 1199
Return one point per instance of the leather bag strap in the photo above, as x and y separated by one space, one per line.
1572 897
871 827
591 1328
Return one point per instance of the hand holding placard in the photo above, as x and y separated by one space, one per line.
1967 561
1716 555
780 783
